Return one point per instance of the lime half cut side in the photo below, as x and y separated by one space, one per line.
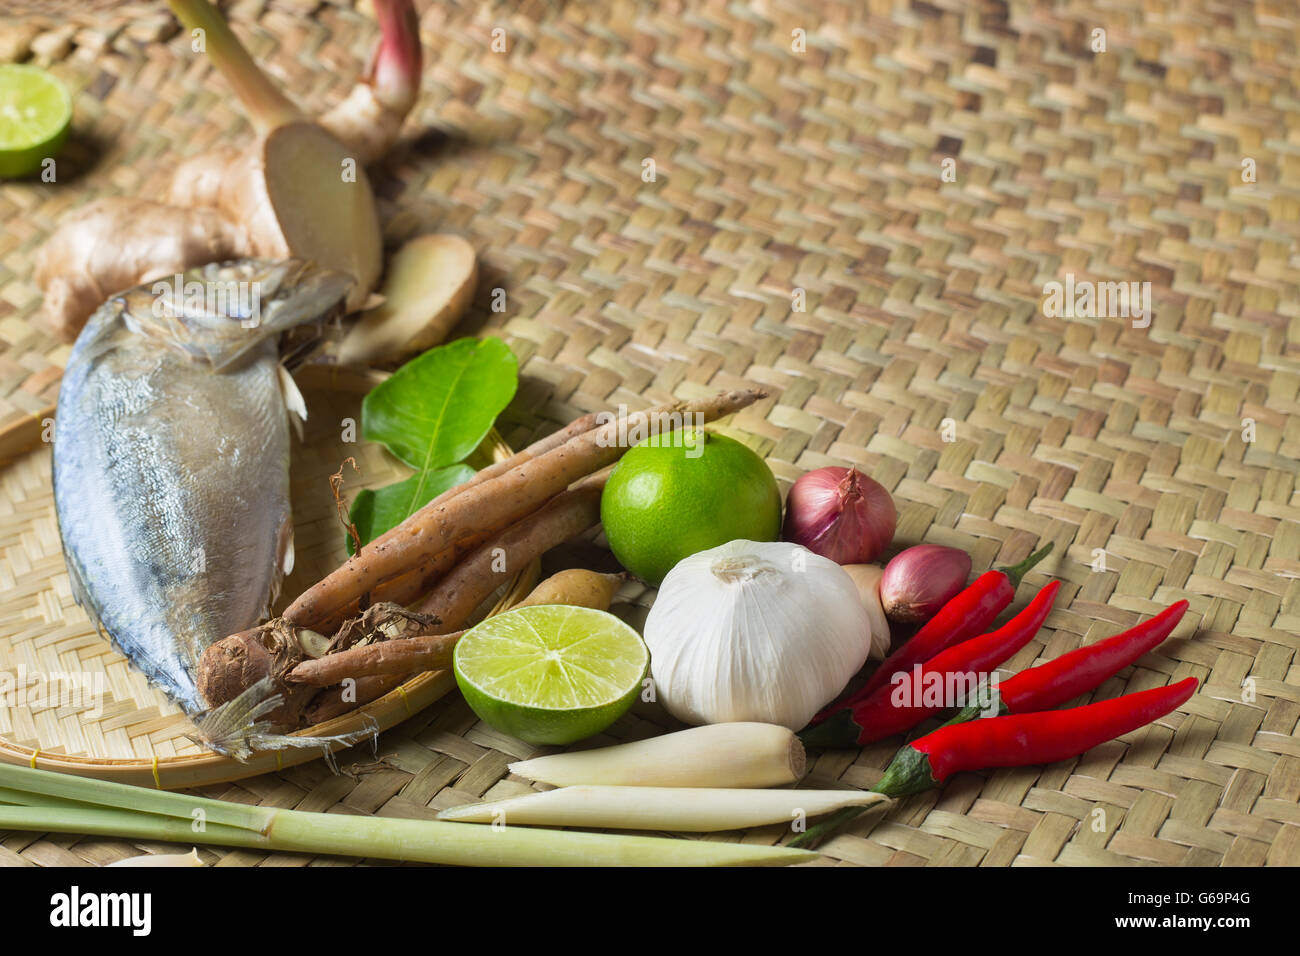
551 673
35 115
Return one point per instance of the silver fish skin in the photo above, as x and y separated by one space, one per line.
171 458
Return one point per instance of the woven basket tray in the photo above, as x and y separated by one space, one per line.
134 733
821 171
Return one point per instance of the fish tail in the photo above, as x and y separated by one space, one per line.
235 728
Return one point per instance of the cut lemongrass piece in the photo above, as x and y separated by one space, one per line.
739 754
688 809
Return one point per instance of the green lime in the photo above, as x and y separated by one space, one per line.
35 115
683 492
551 673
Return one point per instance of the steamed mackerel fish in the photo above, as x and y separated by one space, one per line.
171 457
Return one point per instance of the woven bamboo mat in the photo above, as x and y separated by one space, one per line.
922 354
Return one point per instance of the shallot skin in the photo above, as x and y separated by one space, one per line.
840 514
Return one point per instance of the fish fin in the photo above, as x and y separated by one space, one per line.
294 403
284 562
235 728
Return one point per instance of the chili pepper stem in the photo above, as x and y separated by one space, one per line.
970 712
837 731
1018 571
908 773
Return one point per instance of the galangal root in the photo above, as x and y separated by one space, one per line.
375 652
235 663
429 282
431 652
489 565
491 526
297 190
490 504
408 586
114 244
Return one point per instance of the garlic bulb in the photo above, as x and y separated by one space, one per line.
750 630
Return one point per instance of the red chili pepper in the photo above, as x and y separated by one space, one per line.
882 715
1052 684
966 615
1012 741
1039 688
1021 739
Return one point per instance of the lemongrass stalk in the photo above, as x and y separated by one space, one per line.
690 809
120 810
417 841
267 106
739 754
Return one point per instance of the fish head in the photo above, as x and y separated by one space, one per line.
220 312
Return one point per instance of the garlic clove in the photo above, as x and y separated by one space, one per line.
866 577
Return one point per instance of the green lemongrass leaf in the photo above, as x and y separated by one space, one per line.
26 798
438 407
376 510
45 785
61 803
125 824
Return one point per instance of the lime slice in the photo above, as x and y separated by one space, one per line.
35 115
551 673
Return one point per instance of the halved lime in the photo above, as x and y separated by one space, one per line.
35 115
551 673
